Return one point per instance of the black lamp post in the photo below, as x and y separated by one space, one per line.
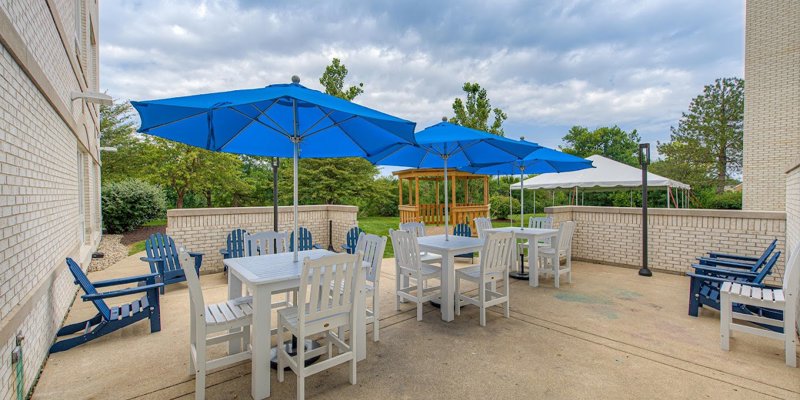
276 162
644 160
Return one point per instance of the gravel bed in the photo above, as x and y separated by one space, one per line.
113 249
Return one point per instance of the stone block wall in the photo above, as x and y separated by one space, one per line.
205 229
772 100
613 235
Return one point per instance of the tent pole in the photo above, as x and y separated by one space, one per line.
510 202
534 201
522 197
553 192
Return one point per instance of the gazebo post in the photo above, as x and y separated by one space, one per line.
455 202
416 200
400 190
438 210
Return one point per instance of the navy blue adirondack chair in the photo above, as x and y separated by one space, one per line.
464 230
109 319
352 239
736 261
706 282
234 246
163 257
304 241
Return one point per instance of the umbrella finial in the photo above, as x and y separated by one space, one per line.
444 119
295 79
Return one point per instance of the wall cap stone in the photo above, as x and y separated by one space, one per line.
193 212
690 212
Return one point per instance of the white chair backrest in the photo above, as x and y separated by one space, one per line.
565 232
540 222
262 243
195 290
498 253
320 283
417 227
791 277
372 247
482 224
406 249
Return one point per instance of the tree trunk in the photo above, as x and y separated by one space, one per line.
179 201
208 198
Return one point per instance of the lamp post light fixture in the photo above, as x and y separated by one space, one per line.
644 160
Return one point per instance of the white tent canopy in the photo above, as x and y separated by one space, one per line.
606 173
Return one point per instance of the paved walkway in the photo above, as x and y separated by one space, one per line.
609 334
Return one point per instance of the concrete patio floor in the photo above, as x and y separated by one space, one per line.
609 334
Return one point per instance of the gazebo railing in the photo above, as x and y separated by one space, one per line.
433 214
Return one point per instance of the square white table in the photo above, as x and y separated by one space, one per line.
263 276
448 249
534 235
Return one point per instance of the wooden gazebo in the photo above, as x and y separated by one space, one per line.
466 202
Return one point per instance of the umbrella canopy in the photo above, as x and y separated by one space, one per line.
446 144
284 120
541 161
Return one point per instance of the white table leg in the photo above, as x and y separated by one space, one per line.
234 291
260 371
533 261
448 288
361 318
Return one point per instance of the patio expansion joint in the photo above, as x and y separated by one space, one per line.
650 355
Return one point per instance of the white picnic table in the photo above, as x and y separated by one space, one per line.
448 249
533 235
264 275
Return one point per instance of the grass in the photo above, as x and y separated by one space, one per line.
136 247
156 222
380 226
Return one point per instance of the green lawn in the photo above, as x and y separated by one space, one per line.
380 226
156 222
136 247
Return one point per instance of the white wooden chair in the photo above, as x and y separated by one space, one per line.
784 299
497 256
418 228
482 224
408 268
212 324
550 257
324 313
263 243
372 248
536 223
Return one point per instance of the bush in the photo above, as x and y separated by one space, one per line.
498 205
725 201
128 204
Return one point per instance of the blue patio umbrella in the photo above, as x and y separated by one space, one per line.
283 120
541 161
446 144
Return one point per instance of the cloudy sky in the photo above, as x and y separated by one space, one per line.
548 64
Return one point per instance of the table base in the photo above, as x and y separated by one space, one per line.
524 276
289 344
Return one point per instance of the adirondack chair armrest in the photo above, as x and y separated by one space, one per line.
316 246
194 254
723 263
122 292
704 269
711 278
122 281
158 261
198 260
732 256
224 252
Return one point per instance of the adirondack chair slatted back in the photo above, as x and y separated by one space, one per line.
462 230
372 247
235 244
262 243
497 254
540 222
319 283
482 224
767 268
406 249
565 232
417 227
162 246
304 241
352 238
83 281
766 253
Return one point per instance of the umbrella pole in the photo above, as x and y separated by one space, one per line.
522 199
296 141
446 204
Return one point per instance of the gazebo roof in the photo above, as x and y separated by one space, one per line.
434 173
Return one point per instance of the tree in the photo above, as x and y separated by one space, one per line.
610 142
117 131
474 112
710 134
333 81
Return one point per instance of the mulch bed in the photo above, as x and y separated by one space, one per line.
141 234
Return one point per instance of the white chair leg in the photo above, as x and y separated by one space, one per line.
200 371
458 296
508 298
725 321
300 361
353 362
397 299
246 338
556 264
376 316
482 300
281 360
790 336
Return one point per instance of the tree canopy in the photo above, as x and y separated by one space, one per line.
474 112
611 142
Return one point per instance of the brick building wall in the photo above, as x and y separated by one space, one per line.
49 171
612 235
772 100
205 229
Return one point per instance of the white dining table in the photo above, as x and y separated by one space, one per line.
263 276
533 235
448 249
